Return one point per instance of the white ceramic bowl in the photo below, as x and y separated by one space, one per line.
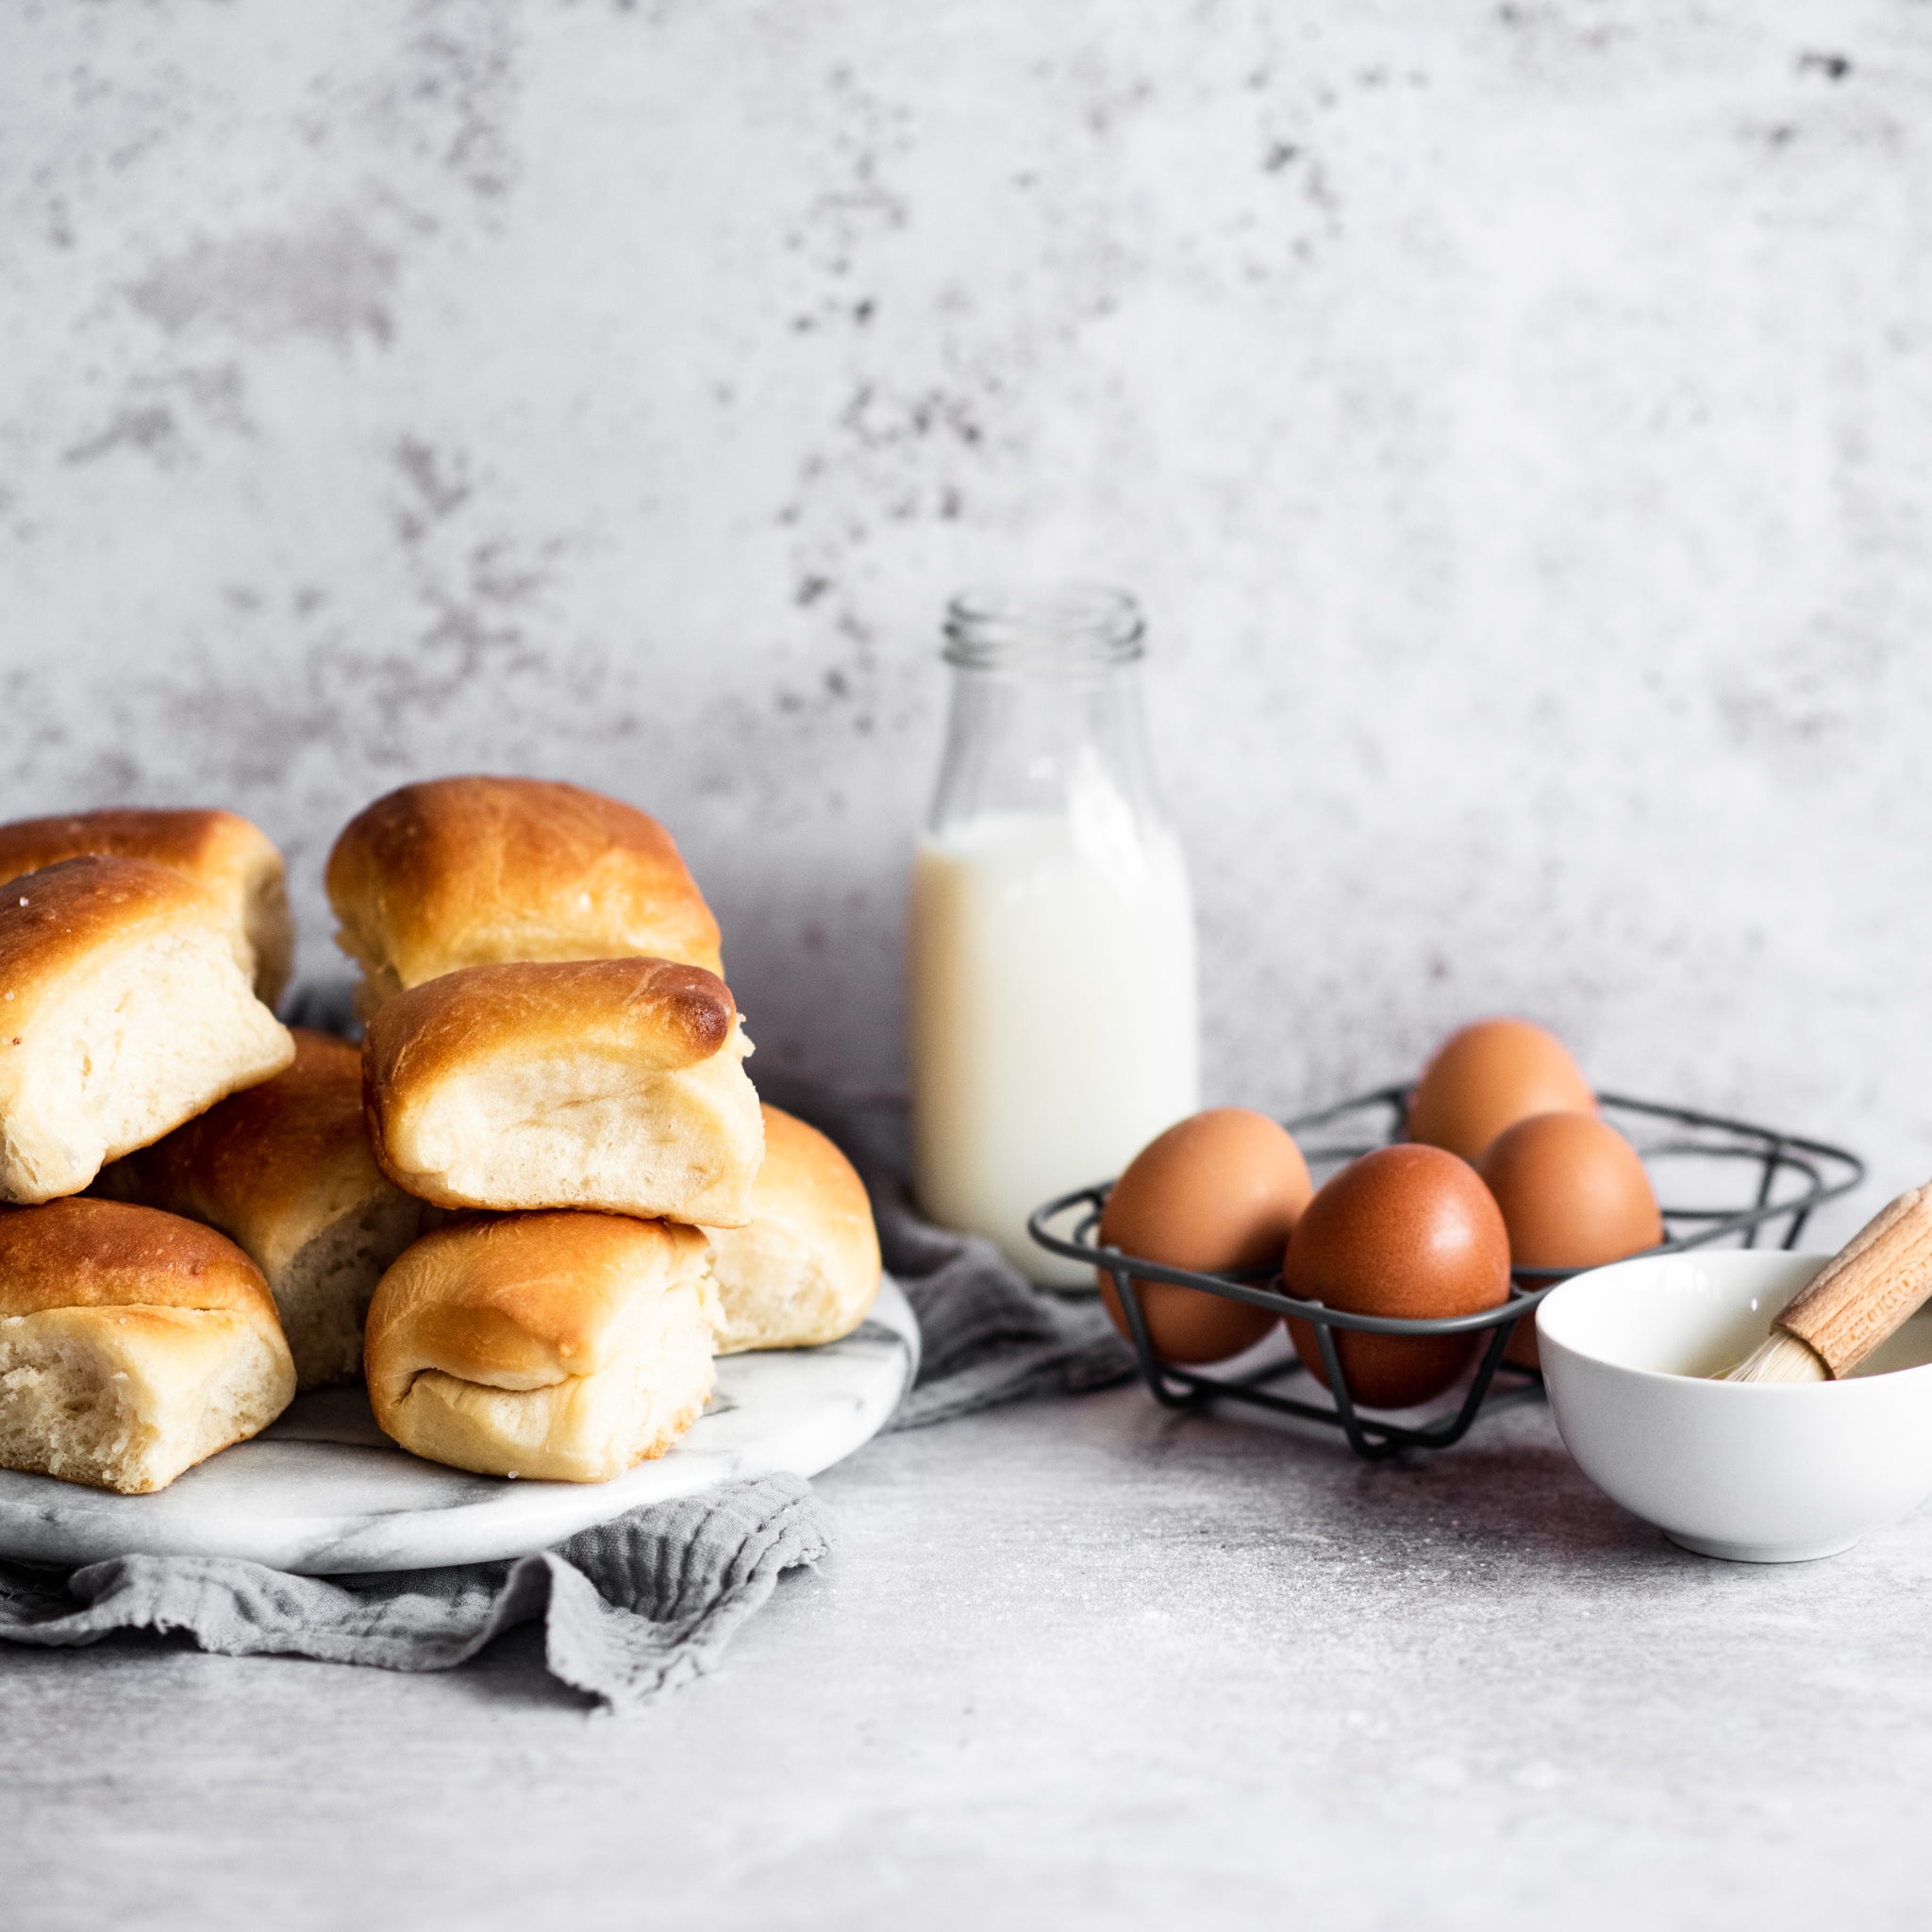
1756 1472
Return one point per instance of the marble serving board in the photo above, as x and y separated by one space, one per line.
323 1490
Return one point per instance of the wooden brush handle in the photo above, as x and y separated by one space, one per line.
1875 1282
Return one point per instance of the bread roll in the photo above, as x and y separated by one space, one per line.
234 860
805 1268
132 1344
475 872
614 1084
124 1011
286 1173
569 1346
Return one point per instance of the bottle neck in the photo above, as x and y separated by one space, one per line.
1043 631
1046 720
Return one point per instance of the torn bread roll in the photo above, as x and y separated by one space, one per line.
805 1269
285 1170
133 1344
566 1346
479 871
234 860
612 1084
124 1011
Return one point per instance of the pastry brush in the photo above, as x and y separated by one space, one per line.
1875 1283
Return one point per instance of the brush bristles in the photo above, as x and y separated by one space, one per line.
1780 1357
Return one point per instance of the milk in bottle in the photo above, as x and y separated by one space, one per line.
1052 972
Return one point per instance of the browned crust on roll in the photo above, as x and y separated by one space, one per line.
52 919
477 871
805 1270
567 1347
656 1014
204 844
286 1149
230 857
517 1300
804 1170
134 1345
82 1253
284 1170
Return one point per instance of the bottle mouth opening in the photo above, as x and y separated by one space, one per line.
1069 625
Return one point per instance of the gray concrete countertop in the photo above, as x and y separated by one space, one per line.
1074 1663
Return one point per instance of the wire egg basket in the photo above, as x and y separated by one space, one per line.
1778 1180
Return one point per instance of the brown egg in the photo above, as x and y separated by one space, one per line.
1219 1190
1573 1194
1489 1076
1407 1231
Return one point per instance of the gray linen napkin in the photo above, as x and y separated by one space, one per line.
630 1608
638 1606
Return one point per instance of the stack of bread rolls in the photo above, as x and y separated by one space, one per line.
531 1210
134 951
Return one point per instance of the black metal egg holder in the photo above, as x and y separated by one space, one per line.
1823 1171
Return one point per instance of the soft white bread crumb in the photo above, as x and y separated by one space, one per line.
127 1398
130 1014
133 1344
806 1267
608 1084
323 1290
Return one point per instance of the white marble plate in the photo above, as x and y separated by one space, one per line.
323 1490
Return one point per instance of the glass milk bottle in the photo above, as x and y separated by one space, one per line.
1055 1024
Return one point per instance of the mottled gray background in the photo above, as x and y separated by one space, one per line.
1517 418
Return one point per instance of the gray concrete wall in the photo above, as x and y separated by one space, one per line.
1514 417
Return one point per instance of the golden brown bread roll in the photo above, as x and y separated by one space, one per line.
475 872
805 1268
124 1011
237 861
569 1346
610 1084
132 1344
285 1170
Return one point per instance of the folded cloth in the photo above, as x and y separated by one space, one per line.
987 1334
638 1606
630 1610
